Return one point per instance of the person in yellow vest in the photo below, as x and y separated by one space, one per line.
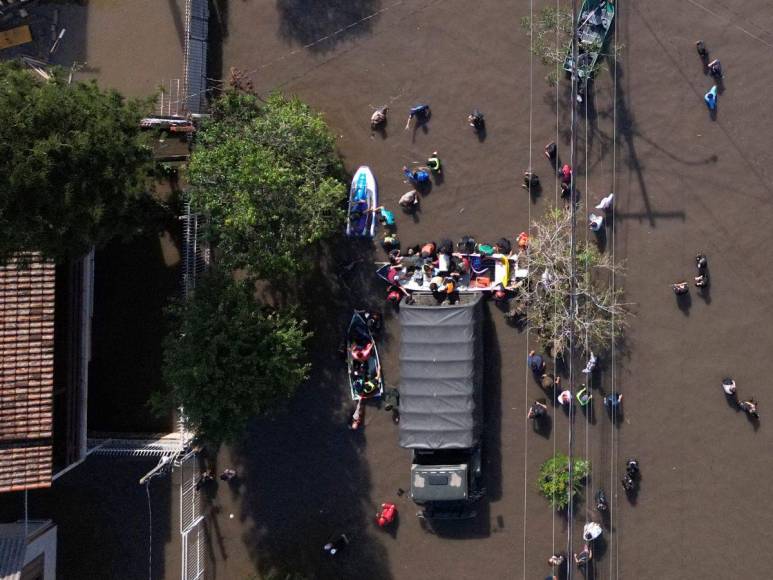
434 163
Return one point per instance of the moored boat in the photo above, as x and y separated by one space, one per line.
363 200
362 360
593 24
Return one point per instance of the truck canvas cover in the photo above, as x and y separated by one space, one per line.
441 375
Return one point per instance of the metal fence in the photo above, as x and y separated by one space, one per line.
195 253
195 56
191 520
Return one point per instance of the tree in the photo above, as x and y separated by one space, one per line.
270 181
551 31
226 359
553 480
73 164
599 318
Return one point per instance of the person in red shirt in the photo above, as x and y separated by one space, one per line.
566 174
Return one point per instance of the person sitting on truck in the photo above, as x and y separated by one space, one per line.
428 250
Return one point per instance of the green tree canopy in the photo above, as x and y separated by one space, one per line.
268 177
226 359
73 164
553 480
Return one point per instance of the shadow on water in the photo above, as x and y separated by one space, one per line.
480 526
217 33
306 477
319 25
133 283
101 504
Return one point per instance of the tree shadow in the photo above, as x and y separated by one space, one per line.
108 481
307 483
492 409
320 25
217 34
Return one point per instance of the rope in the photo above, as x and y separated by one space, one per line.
150 533
588 385
528 229
555 306
313 43
572 290
733 24
613 449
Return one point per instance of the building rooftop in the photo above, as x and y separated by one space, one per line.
27 285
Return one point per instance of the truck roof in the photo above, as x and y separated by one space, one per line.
441 375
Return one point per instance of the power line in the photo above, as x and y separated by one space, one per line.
572 287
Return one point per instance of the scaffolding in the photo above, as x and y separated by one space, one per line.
195 253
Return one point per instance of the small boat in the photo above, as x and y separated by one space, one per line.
593 25
363 199
485 273
362 361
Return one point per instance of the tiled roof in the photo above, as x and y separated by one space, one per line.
27 286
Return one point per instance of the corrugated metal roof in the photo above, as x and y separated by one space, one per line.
27 287
13 547
196 57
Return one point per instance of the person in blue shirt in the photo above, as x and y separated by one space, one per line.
418 176
711 98
612 401
421 113
536 362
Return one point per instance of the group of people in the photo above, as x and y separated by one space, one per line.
421 114
701 280
748 406
441 269
714 69
552 384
